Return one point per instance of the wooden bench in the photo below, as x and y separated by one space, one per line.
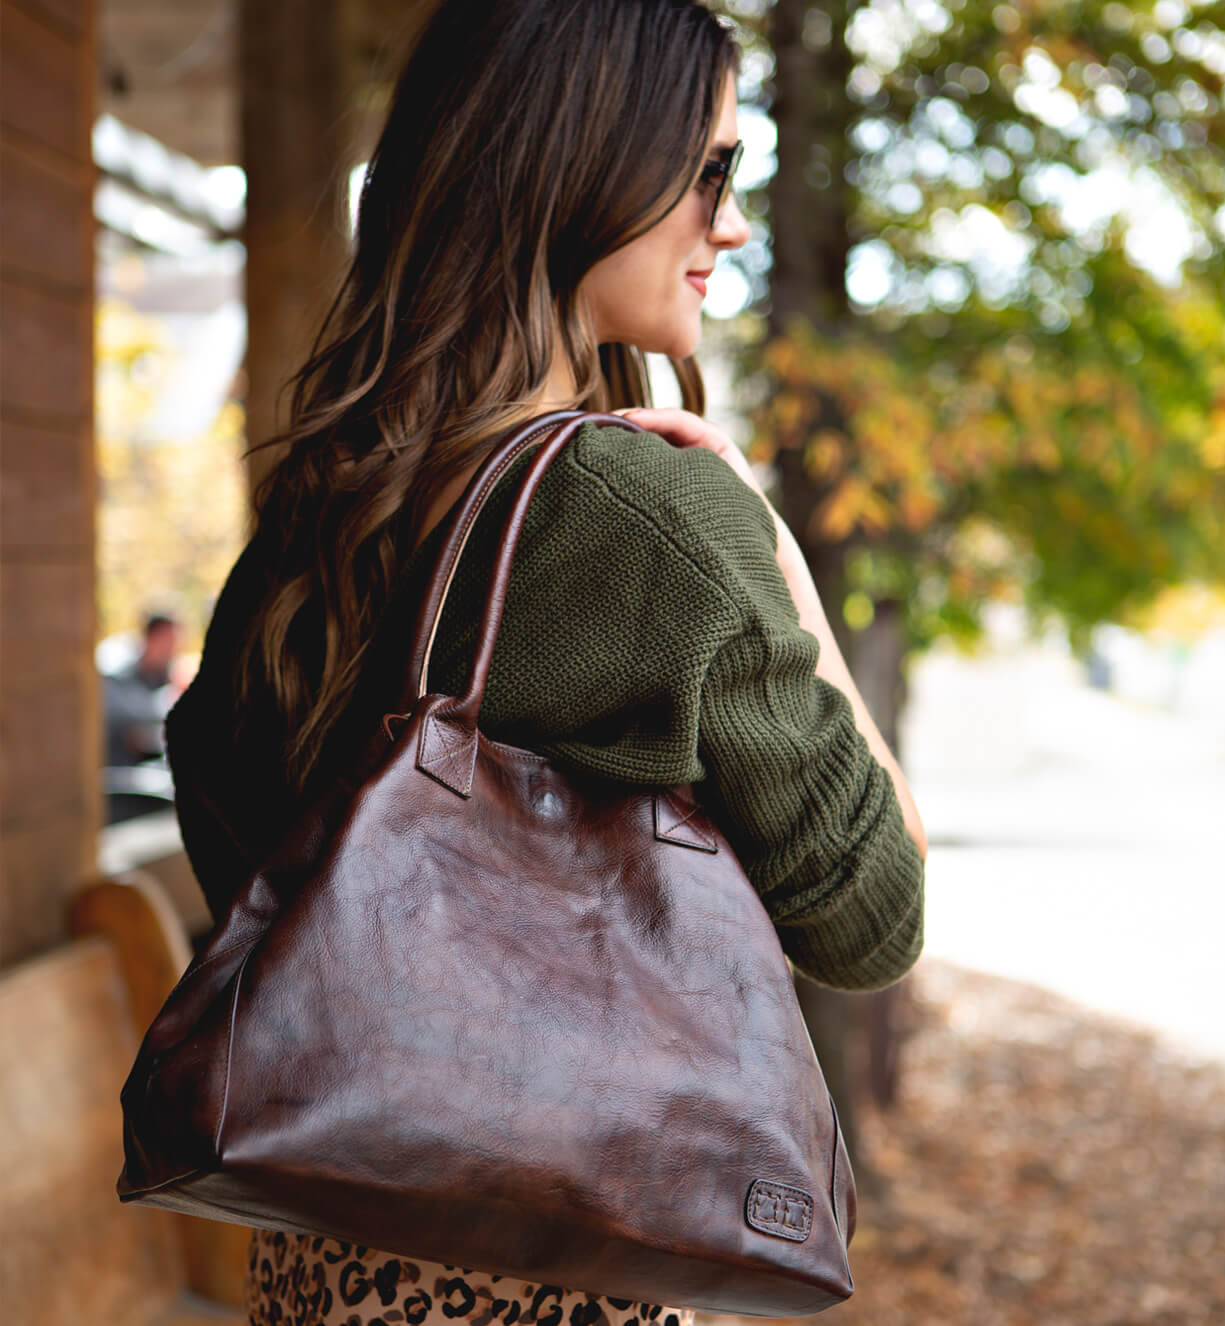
69 1019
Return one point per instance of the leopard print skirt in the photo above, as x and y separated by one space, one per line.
300 1280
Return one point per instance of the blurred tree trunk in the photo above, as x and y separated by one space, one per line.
809 220
879 656
808 213
296 116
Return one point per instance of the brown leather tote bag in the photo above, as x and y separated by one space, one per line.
480 1011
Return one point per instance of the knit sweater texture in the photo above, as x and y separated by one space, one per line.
648 638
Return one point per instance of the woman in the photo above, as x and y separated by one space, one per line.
545 203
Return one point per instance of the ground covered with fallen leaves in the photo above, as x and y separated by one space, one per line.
1043 1165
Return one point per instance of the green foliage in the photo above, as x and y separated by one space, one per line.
1009 468
1052 428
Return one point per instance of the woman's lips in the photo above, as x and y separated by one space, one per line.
698 280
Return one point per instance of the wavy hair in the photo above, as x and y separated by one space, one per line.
526 140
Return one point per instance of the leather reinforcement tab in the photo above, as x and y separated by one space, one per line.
682 823
448 754
773 1208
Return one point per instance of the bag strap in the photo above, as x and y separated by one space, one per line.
564 425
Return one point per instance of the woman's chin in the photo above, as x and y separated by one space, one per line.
677 342
683 342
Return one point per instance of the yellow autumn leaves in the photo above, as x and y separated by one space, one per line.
895 446
171 514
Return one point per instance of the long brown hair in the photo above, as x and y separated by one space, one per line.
526 140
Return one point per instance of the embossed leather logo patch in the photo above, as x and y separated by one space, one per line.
776 1209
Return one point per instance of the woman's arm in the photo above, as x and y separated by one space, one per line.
684 429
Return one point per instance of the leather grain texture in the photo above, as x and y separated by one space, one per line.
479 1011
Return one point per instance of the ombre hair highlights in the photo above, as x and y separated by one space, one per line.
526 140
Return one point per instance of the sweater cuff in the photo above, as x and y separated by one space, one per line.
868 931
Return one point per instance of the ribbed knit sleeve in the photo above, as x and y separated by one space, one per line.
811 814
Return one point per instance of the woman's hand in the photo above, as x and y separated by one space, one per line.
684 429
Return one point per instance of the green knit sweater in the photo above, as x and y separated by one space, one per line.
648 637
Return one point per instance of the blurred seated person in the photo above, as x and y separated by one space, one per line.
137 695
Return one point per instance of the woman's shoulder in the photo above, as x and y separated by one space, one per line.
666 483
687 503
632 551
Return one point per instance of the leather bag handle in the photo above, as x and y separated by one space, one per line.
565 423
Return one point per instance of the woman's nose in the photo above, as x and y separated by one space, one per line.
730 230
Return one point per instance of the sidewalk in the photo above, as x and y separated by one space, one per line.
1078 838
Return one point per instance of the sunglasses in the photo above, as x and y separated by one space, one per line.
719 174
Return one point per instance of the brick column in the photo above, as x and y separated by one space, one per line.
49 720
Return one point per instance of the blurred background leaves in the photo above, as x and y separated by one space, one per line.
989 268
171 510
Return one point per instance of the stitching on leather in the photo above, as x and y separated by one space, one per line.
451 747
229 1057
791 1201
682 831
440 747
683 823
694 835
447 756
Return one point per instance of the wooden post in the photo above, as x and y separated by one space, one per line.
296 125
50 800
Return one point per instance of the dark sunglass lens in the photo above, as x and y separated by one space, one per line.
725 182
